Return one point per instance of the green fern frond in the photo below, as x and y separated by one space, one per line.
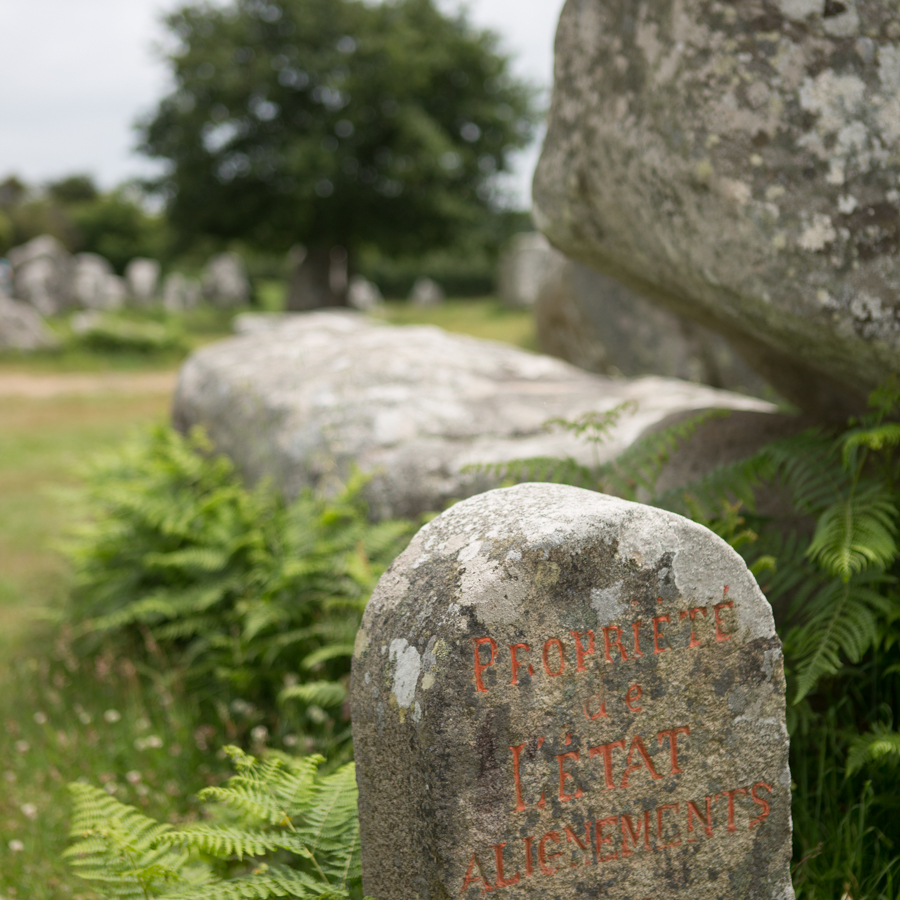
265 882
839 620
116 844
329 651
594 426
223 842
636 471
878 746
856 533
879 437
322 693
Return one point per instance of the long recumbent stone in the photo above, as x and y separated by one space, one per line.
558 694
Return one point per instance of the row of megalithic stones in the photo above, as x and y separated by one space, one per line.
44 275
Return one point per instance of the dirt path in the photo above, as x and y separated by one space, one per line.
54 385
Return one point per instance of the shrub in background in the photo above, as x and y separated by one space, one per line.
248 600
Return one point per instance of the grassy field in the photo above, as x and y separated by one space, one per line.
106 722
485 317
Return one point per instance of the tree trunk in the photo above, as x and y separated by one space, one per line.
319 279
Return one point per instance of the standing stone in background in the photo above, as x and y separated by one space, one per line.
142 276
180 292
22 328
42 274
94 284
363 294
525 268
426 292
558 694
225 282
739 163
116 292
600 325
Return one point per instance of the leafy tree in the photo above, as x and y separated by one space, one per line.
115 224
73 189
334 123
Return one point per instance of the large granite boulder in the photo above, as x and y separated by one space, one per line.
596 323
23 328
740 163
304 401
42 274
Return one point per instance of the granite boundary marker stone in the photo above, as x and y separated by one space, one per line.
561 694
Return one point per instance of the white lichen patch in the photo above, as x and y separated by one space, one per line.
407 664
817 235
361 643
609 603
847 204
496 591
798 10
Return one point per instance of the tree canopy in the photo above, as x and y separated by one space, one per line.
334 122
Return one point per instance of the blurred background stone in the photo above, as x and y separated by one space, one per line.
600 325
225 282
526 265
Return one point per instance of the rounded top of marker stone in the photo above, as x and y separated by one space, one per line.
557 692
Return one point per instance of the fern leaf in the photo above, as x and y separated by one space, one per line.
119 846
322 693
323 654
840 620
877 438
594 426
880 745
223 842
855 533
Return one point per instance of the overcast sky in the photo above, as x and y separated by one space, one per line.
76 74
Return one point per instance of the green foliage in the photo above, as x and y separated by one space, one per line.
118 227
115 224
282 831
117 334
632 474
881 745
244 595
119 845
334 122
832 581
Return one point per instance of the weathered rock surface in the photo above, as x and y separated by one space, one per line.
558 694
525 267
305 398
600 325
42 274
740 163
23 328
225 282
